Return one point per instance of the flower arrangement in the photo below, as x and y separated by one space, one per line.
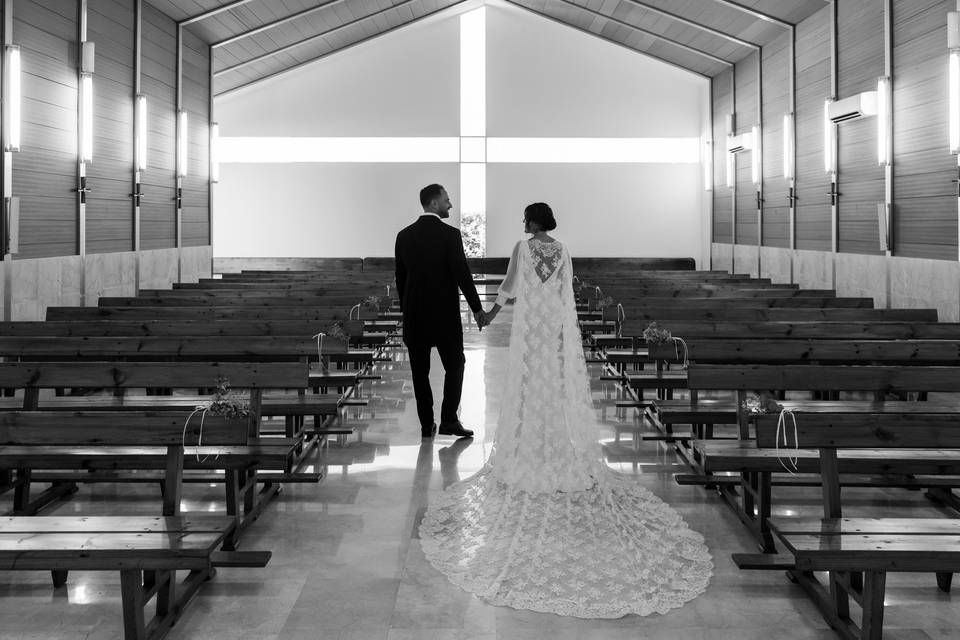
761 403
605 302
371 302
228 404
654 334
337 331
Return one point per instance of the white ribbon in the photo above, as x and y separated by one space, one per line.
319 338
388 291
782 426
202 410
356 308
677 343
621 316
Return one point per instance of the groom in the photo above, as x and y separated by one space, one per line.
431 266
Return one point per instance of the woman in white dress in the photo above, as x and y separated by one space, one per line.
545 525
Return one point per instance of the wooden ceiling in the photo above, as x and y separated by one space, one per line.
256 39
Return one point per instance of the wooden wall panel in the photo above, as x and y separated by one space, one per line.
159 83
44 171
813 86
860 177
722 201
776 103
748 115
925 203
111 25
196 186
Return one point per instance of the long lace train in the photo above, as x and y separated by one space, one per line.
546 525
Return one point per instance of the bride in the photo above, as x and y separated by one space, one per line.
545 525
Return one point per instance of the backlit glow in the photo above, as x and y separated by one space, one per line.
788 154
141 132
473 188
955 101
86 117
12 93
755 154
829 160
288 149
473 71
594 150
883 121
182 145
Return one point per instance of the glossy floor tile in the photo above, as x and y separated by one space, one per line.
347 563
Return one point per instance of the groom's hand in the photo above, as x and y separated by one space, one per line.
481 319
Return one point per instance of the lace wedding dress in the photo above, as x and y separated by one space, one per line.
545 525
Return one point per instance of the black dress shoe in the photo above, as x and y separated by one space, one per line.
454 429
429 433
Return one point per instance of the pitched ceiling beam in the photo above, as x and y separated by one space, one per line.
658 36
275 23
610 40
213 12
352 44
696 25
312 38
755 13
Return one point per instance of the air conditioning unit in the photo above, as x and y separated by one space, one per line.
858 106
742 142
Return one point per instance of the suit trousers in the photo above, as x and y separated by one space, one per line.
452 358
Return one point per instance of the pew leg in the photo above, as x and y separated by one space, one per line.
839 597
764 483
233 506
59 577
166 593
21 494
131 594
944 580
871 628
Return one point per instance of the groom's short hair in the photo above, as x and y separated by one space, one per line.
429 193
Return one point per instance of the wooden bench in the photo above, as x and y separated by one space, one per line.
755 465
858 553
241 462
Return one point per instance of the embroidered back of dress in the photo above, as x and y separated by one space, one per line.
547 258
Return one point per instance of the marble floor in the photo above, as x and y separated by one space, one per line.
347 564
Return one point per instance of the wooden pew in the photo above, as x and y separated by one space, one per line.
858 553
147 551
756 464
242 464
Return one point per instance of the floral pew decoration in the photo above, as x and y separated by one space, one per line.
658 337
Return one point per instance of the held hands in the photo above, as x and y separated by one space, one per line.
481 318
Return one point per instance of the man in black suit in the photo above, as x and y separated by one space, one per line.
431 266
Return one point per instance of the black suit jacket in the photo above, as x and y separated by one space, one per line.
431 266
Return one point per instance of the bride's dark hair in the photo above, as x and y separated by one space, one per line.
542 214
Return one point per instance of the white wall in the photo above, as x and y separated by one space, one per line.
543 80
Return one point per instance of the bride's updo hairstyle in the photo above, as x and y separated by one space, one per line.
542 214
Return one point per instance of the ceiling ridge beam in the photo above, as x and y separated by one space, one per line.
755 13
276 23
213 12
610 40
312 38
653 34
352 44
716 32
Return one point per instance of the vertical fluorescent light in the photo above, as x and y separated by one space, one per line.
828 158
473 73
214 152
12 95
883 120
731 170
141 132
755 153
182 149
954 101
86 117
788 146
